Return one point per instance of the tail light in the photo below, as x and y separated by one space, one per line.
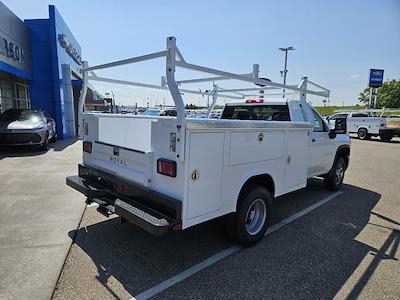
166 167
87 147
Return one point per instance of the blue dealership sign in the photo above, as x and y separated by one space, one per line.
375 78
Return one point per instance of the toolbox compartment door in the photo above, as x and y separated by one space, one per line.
205 173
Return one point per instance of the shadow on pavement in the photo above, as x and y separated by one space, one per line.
62 144
24 151
314 258
20 151
392 243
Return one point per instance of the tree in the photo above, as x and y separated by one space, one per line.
388 95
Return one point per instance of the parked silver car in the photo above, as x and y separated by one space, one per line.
27 127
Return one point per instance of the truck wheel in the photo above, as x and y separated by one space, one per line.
334 179
249 223
363 134
385 137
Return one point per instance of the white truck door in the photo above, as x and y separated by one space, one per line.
205 173
321 148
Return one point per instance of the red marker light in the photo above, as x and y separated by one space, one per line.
166 167
87 147
177 227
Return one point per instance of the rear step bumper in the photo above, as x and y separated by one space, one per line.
128 208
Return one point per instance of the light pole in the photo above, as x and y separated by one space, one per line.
284 72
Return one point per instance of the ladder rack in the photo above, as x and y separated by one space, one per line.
174 59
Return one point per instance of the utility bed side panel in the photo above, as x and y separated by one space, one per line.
256 146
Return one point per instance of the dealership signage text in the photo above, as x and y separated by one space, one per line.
12 51
69 48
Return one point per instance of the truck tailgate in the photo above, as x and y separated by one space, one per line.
133 165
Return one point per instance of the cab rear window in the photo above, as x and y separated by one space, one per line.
257 112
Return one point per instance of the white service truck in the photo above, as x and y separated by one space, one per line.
170 173
369 122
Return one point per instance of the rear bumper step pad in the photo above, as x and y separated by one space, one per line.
110 202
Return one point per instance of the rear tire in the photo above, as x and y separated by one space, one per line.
334 179
363 134
248 224
386 137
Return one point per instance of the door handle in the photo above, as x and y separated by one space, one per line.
313 140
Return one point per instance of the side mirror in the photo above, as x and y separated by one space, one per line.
340 128
341 125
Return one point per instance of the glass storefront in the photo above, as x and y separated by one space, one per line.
14 92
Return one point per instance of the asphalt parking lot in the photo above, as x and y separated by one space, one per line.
346 248
337 245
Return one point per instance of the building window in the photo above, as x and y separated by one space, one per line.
14 93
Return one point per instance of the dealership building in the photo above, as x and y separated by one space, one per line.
39 67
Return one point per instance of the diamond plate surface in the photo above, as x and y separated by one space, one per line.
211 123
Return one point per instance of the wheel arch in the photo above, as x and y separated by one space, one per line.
262 179
343 151
362 127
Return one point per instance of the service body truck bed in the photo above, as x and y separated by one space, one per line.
167 173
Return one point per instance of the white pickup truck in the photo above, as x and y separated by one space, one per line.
170 173
370 122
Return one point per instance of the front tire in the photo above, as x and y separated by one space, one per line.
45 145
54 138
248 224
362 134
334 179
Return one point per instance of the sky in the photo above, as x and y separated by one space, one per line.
336 42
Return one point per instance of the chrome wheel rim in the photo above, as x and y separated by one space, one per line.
255 217
339 174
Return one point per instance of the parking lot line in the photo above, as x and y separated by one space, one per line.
228 251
